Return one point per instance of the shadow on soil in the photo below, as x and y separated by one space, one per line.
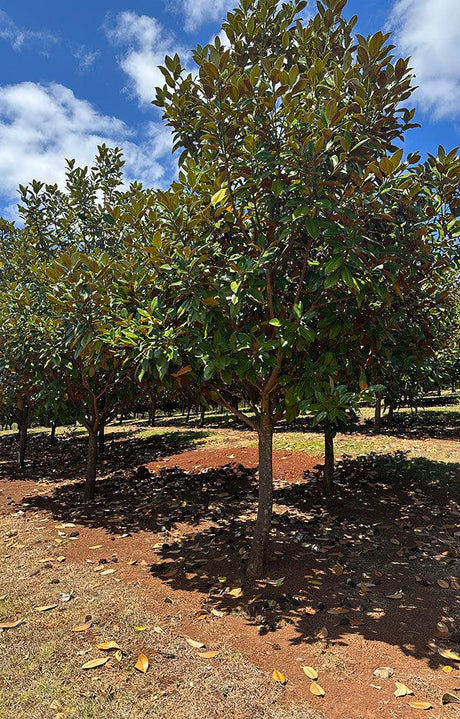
366 561
66 459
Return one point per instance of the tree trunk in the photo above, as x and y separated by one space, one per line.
265 508
328 476
377 413
53 433
91 463
101 440
202 414
391 412
152 410
187 418
22 444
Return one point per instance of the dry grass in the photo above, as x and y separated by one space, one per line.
40 661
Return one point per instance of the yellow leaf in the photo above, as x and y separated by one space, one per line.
219 196
111 644
420 705
81 627
96 546
447 669
61 558
279 677
194 644
217 612
140 629
118 655
208 655
317 690
108 571
448 654
310 672
96 663
402 690
142 663
237 592
45 608
12 625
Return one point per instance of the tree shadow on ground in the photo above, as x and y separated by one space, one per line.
367 561
66 459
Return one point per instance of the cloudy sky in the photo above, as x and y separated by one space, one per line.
76 74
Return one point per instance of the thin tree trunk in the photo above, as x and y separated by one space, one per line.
152 410
101 440
328 476
187 418
265 508
53 433
377 413
391 412
202 414
22 444
91 463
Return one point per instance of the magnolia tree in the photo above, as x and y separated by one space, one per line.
291 165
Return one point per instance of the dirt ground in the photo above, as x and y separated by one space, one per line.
365 581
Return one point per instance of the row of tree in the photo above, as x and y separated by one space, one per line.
299 262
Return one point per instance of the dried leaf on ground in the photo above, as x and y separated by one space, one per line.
449 654
45 608
450 698
96 663
279 677
402 690
12 625
82 627
106 646
420 705
142 663
310 672
317 690
208 655
194 644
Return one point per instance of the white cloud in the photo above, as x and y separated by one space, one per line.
41 125
429 31
86 58
146 44
19 38
199 12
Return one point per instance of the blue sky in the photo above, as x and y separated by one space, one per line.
77 74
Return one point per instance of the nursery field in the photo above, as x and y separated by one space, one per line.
357 614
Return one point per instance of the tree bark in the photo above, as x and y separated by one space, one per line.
202 414
377 413
328 476
53 433
152 410
391 412
265 508
22 444
101 440
91 463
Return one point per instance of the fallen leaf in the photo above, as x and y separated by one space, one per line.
12 625
442 583
237 592
395 541
60 559
96 546
194 644
322 633
279 677
310 672
338 610
118 655
317 690
140 629
450 698
81 627
158 630
45 608
402 690
420 705
217 612
275 582
396 595
108 571
111 644
142 663
448 654
208 655
96 663
447 669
